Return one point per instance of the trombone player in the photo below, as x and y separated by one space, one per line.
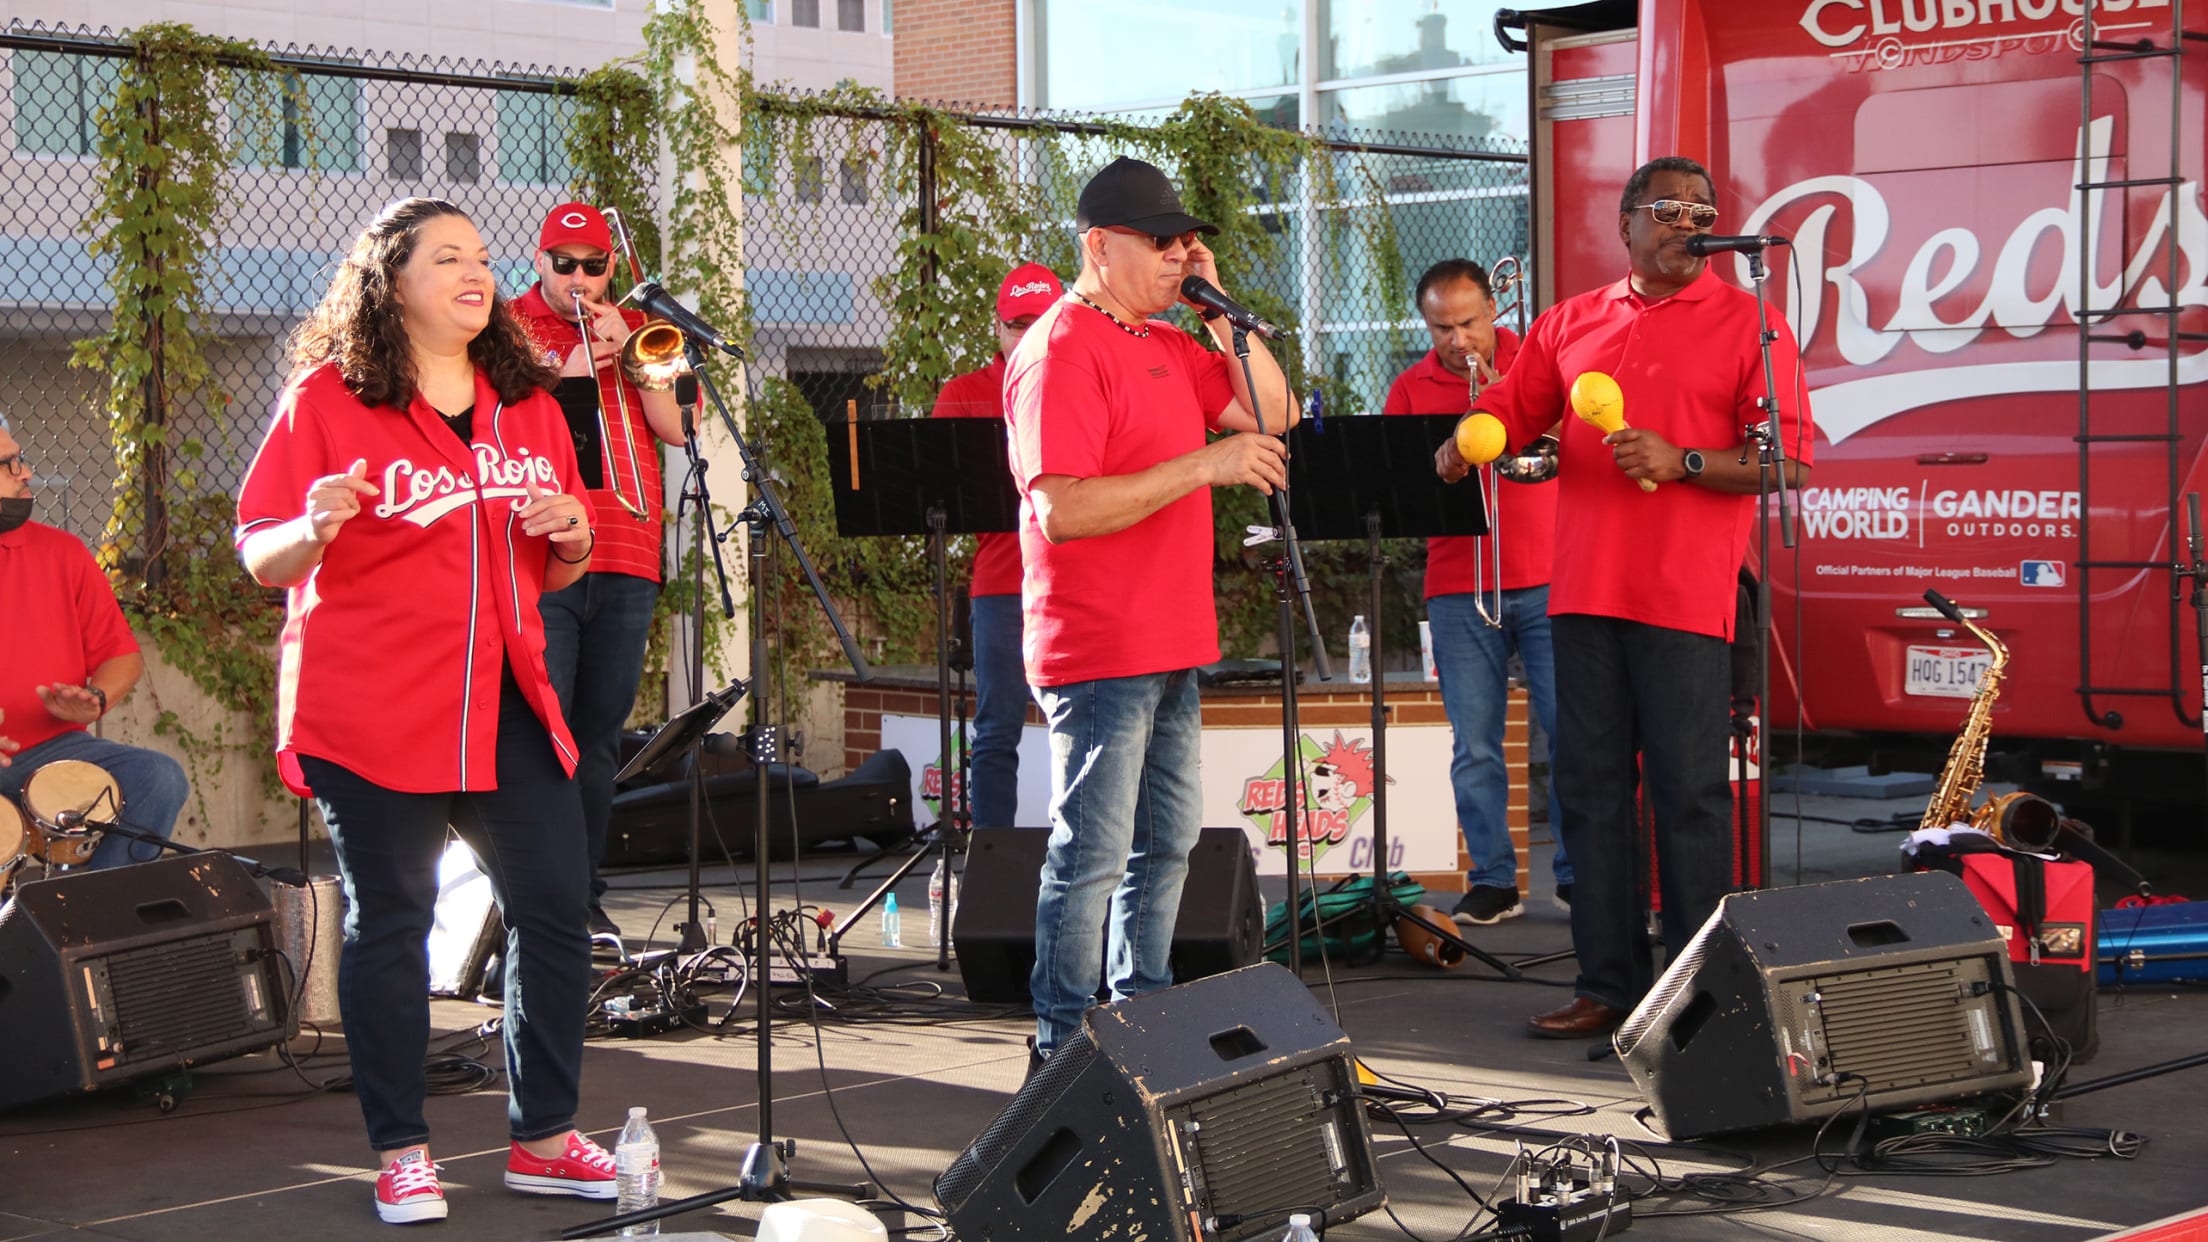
595 630
1485 596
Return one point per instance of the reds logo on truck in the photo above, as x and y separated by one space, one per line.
1927 158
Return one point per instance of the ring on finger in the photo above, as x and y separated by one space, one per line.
572 520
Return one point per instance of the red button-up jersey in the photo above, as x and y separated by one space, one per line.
392 651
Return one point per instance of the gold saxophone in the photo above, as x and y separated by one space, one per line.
2026 821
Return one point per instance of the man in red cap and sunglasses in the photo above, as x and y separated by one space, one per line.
595 631
1110 409
1000 680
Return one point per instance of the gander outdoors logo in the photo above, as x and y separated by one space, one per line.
1335 791
931 779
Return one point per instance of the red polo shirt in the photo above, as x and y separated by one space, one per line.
1691 371
62 622
980 394
626 544
393 647
1089 399
1525 513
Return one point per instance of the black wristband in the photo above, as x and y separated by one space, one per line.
99 694
580 559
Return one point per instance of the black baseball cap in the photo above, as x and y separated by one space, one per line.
1135 195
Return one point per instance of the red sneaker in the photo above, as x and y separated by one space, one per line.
583 1169
407 1190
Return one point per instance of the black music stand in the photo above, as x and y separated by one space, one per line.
936 477
1372 478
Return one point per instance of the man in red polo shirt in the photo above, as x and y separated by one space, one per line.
68 660
595 631
1109 408
1463 585
1642 600
1000 680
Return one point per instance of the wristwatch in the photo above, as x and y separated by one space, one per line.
101 695
1693 463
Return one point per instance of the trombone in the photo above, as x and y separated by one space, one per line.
1504 277
652 358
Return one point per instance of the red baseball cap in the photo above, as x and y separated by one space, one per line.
576 223
1029 289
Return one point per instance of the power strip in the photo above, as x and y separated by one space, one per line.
827 974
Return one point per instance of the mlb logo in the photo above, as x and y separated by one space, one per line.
2041 574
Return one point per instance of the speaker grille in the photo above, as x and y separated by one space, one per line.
185 997
1068 1061
1264 1148
1901 1027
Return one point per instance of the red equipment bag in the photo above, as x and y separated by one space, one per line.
2044 910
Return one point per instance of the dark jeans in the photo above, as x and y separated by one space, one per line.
1628 692
528 838
594 636
1001 697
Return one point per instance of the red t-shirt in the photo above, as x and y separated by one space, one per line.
626 544
980 394
1089 399
62 622
392 650
1525 513
1691 371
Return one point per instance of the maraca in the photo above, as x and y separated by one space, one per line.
1597 401
1480 438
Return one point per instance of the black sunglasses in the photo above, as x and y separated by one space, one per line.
565 264
1185 240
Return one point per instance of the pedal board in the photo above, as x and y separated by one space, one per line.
638 1023
825 974
1566 1200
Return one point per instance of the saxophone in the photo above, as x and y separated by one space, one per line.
2024 820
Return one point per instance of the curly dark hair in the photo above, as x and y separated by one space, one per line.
1636 186
357 327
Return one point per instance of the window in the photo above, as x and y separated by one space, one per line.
852 181
760 10
1091 56
58 97
402 154
320 126
463 157
805 170
1366 38
851 14
888 27
805 13
532 137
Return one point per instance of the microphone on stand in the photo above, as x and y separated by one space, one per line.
1203 293
1704 244
653 299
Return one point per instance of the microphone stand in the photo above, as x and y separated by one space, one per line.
765 1173
1291 588
1768 440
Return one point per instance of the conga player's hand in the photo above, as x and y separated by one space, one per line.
8 745
74 704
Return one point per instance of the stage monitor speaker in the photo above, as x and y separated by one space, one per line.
1204 1113
1221 925
1792 1004
107 976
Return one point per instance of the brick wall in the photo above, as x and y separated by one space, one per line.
957 51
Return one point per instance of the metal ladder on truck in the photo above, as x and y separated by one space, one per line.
2138 328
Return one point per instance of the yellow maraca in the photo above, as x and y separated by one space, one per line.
1480 438
1597 401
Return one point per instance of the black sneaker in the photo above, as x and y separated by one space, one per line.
1487 903
1564 898
600 924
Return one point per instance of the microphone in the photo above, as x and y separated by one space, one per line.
1203 293
68 821
653 299
1704 244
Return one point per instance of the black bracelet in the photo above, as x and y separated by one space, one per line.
101 695
580 559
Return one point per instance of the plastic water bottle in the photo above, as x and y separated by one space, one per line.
636 1172
936 895
1299 1230
1360 651
893 930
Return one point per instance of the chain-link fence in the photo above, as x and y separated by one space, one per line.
825 229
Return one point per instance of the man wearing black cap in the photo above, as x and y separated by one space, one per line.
1109 409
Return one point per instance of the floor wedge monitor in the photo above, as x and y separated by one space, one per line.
1792 1004
106 976
1207 1112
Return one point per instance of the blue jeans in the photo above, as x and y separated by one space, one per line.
151 785
1628 692
1470 658
1126 805
528 838
594 636
1001 697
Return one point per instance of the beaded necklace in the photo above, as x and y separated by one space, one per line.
1141 332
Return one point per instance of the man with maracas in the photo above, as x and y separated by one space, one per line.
1651 530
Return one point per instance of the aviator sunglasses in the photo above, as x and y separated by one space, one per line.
1668 210
565 264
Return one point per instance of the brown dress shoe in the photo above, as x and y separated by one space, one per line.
1577 1020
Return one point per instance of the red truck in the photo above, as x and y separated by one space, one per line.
1950 182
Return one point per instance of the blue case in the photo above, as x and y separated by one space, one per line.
2155 944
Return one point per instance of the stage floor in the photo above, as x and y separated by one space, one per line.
251 1153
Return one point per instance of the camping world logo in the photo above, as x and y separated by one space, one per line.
1336 791
931 779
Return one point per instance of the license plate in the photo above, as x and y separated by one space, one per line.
1946 672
